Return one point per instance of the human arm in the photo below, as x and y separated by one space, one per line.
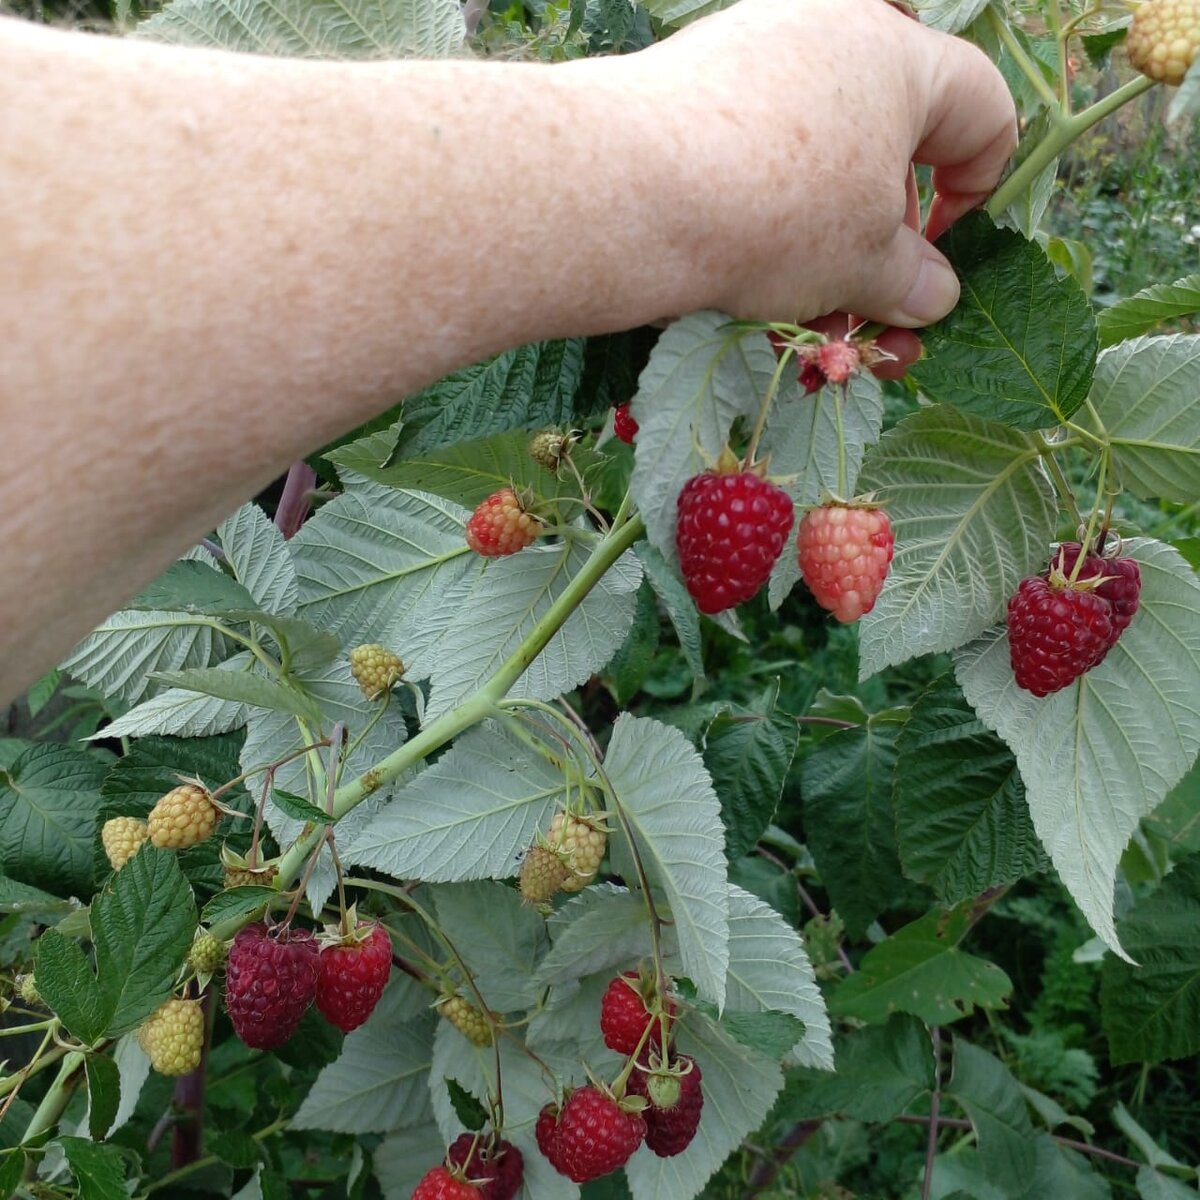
215 263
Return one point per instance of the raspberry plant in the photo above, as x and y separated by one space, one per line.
530 774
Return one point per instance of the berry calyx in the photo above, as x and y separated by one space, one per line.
207 955
469 1020
543 872
628 1009
844 552
582 842
501 525
1056 633
730 529
839 361
121 838
375 669
182 818
27 990
496 1168
1164 39
271 978
624 426
442 1183
675 1099
239 872
173 1037
351 975
592 1135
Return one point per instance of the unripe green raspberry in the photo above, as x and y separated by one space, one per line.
543 872
27 990
1164 39
375 668
173 1037
548 447
245 877
121 838
207 955
466 1018
583 843
182 818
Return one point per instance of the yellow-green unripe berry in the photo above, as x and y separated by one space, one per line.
467 1019
375 668
173 1037
121 838
182 818
583 843
1164 39
207 955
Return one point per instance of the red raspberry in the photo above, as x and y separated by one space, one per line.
1055 634
546 1133
625 1013
593 1136
351 975
496 1170
441 1183
624 426
1122 586
500 525
670 1127
844 554
812 378
271 977
838 361
730 530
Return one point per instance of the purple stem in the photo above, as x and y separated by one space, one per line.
935 1104
187 1133
294 503
765 1172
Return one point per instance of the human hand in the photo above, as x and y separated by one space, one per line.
796 123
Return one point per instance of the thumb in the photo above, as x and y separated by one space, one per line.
912 285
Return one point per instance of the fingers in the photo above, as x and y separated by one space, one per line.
911 285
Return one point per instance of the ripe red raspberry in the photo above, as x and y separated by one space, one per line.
500 525
351 975
271 977
1122 586
546 1133
838 361
441 1183
624 426
626 1011
844 553
675 1099
731 528
1055 634
496 1170
812 378
594 1135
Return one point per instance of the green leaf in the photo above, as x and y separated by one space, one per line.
809 448
1146 310
380 1082
673 815
529 387
258 555
683 12
48 802
65 981
921 970
1102 753
1146 397
769 971
500 937
703 374
466 1108
98 1170
632 662
242 687
299 809
748 751
403 1157
21 898
962 824
973 512
1153 1153
679 605
305 647
104 1094
846 781
992 1099
234 903
142 926
1151 1011
770 1033
740 1086
234 1147
1152 1185
472 815
193 586
12 1165
950 16
602 928
466 472
41 693
516 593
376 563
1020 346
881 1071
357 29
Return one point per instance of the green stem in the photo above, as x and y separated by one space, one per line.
1028 67
54 1102
1060 482
841 440
477 707
1062 133
209 1159
765 408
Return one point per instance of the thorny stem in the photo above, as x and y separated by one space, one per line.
294 503
935 1104
767 1170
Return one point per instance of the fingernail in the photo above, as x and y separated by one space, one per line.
934 293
